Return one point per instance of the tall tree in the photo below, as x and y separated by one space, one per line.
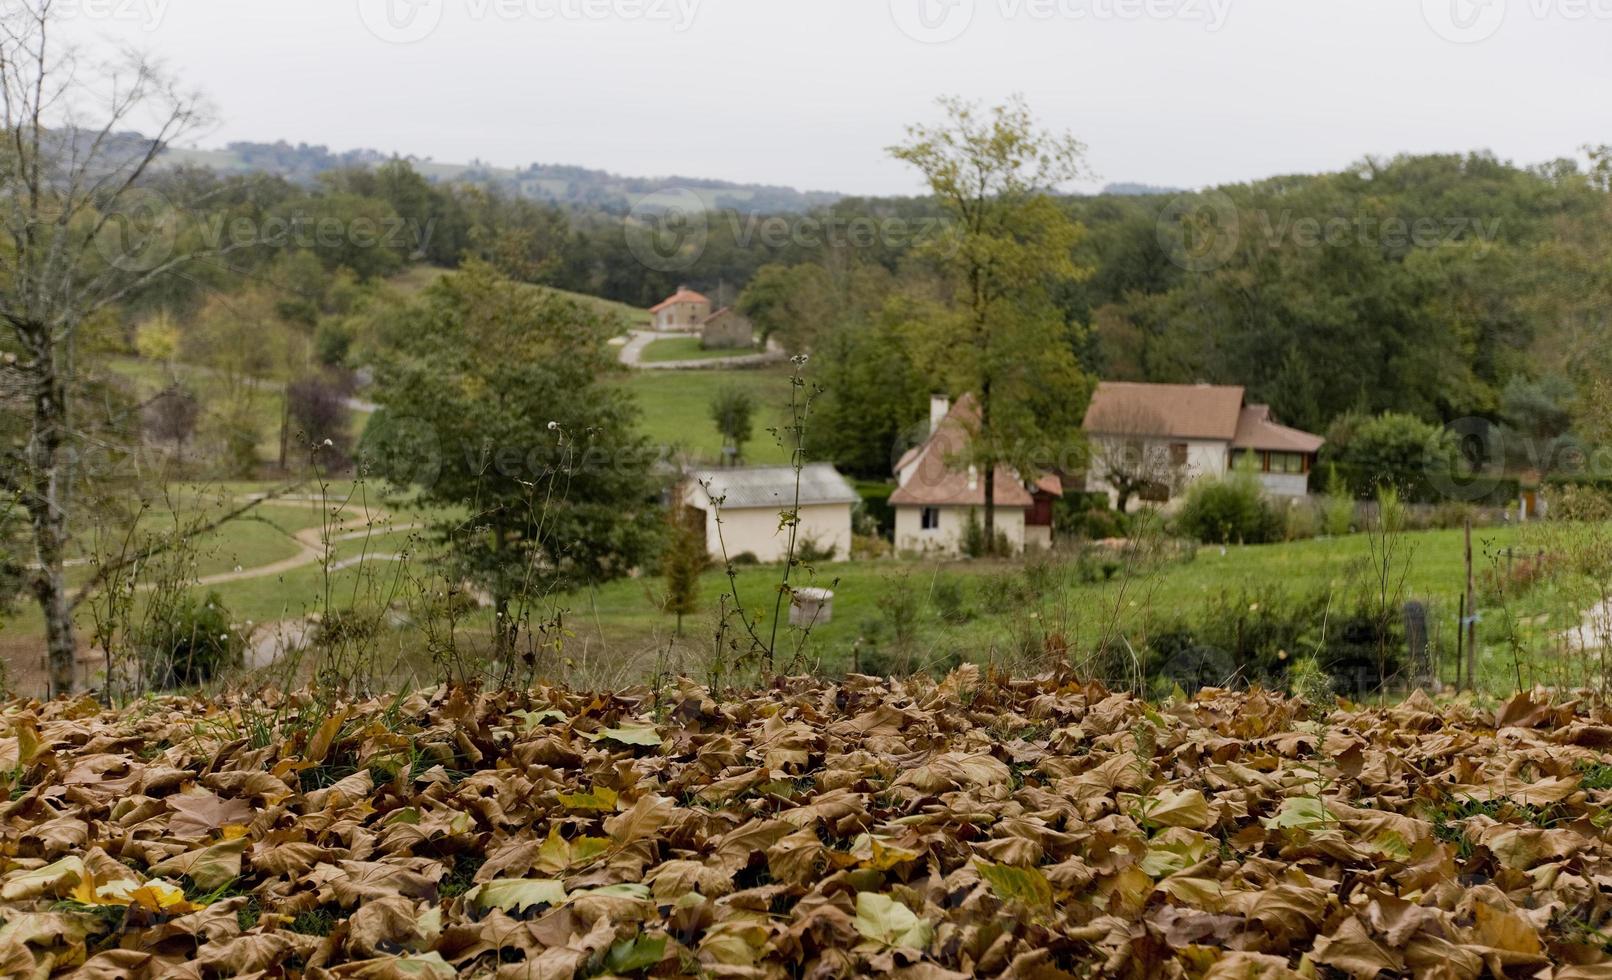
733 410
1003 336
78 235
495 402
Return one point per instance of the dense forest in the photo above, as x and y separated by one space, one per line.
1440 287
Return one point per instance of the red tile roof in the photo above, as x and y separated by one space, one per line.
941 481
683 295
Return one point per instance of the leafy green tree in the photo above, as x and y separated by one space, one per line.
495 401
684 558
1393 450
733 410
1000 334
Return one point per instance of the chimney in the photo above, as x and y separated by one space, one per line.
939 407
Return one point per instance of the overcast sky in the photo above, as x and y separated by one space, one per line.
808 93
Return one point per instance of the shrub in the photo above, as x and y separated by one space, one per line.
868 547
192 645
1301 521
1088 516
1337 507
1392 449
974 543
1228 510
1453 514
1240 638
951 601
810 552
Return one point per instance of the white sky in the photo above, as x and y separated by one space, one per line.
808 93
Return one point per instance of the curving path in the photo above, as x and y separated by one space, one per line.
632 355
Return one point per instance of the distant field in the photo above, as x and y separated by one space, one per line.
676 409
631 317
687 349
623 616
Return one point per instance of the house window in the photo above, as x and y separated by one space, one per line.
931 519
1288 463
1178 454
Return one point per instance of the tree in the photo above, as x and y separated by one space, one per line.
242 340
78 235
157 339
1127 455
1391 450
733 410
172 415
1003 336
317 410
494 399
684 558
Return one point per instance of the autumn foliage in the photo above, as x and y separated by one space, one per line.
977 826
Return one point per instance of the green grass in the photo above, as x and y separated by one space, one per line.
676 410
624 615
631 317
670 349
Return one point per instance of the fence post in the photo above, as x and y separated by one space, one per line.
1469 622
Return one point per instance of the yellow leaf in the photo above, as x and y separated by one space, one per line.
319 747
600 798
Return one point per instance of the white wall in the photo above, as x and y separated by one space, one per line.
1205 458
755 530
948 538
1285 484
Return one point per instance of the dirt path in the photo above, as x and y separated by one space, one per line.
632 355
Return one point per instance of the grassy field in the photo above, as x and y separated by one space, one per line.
630 317
622 621
676 409
625 615
672 349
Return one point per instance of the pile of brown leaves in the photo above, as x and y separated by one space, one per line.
978 827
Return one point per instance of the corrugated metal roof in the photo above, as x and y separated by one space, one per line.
774 486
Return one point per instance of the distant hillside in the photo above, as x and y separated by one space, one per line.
558 183
1140 190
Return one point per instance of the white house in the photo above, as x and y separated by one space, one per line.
684 310
750 500
1167 436
938 494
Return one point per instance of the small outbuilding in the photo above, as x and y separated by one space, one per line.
751 499
727 329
